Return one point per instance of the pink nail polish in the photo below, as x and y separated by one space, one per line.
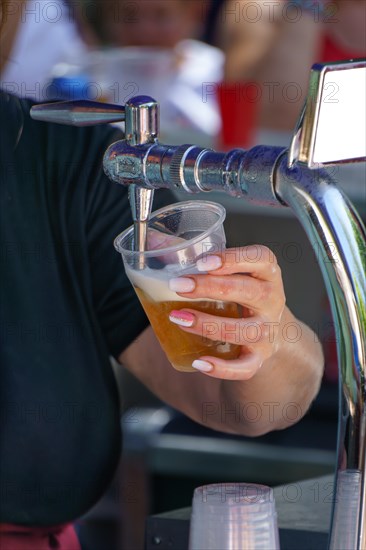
202 366
209 263
182 318
182 284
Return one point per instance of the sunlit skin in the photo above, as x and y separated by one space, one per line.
273 369
252 278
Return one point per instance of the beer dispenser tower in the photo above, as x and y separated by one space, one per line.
331 130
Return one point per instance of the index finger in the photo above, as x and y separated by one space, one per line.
256 260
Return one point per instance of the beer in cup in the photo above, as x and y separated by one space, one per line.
179 235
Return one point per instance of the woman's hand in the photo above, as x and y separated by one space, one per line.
251 277
278 371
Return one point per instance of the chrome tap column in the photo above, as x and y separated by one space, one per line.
338 238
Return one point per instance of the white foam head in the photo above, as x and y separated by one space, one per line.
155 283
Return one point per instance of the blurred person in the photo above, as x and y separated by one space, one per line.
53 56
67 306
149 26
246 32
198 95
274 45
338 33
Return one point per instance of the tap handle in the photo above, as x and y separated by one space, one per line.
141 114
78 113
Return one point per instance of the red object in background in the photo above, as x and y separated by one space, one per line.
331 359
238 103
15 537
328 335
333 52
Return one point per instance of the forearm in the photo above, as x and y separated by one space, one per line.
281 392
278 395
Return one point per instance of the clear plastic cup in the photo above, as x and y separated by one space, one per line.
178 236
233 516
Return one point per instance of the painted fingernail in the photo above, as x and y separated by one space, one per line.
209 263
182 318
182 284
202 366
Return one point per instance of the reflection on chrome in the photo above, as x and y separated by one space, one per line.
334 228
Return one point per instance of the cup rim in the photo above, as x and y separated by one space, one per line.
264 491
194 205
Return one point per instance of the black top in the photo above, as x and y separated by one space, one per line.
65 307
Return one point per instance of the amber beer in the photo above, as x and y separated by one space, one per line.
189 231
183 348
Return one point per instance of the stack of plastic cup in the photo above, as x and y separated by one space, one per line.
233 516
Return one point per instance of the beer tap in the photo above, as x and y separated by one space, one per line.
328 132
141 116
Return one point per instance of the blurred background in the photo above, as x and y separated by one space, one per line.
227 74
